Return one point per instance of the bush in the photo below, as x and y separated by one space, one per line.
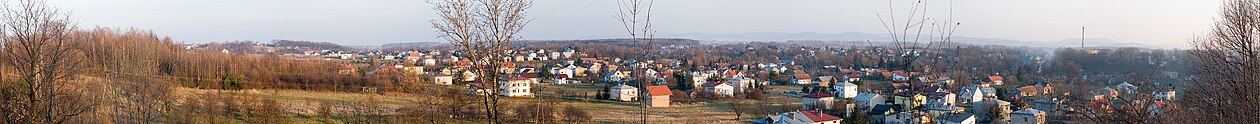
575 115
537 112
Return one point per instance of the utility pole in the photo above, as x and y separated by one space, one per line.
1082 37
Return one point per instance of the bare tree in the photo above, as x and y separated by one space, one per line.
129 63
636 17
1228 63
914 34
482 31
38 40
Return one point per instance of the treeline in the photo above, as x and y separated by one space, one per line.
309 44
211 69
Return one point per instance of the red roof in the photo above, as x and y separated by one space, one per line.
507 65
659 90
562 76
517 78
478 85
463 63
732 72
817 95
819 117
529 75
995 78
802 76
413 54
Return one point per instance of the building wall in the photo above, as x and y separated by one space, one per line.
1028 119
659 101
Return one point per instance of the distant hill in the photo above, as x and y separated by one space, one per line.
617 41
309 44
855 36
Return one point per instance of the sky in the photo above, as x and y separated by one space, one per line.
375 22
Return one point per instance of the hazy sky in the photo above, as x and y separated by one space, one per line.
374 22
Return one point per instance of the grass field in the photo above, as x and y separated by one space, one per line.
301 104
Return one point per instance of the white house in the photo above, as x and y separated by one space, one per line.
963 118
430 62
907 117
469 76
698 78
1166 95
720 88
941 99
971 94
515 87
1028 116
867 99
741 84
846 90
561 79
852 77
443 79
623 92
995 80
817 100
802 78
616 76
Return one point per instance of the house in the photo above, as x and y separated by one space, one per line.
429 62
533 77
940 99
801 117
741 84
846 90
443 79
616 76
944 80
909 99
478 88
719 88
1126 87
907 117
346 69
1165 95
658 96
1028 91
515 87
650 73
900 76
878 112
986 108
823 81
995 80
852 78
971 94
963 118
561 79
469 76
865 100
1046 104
699 78
1045 88
938 113
802 78
817 100
1028 116
623 93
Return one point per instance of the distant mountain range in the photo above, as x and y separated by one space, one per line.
855 36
